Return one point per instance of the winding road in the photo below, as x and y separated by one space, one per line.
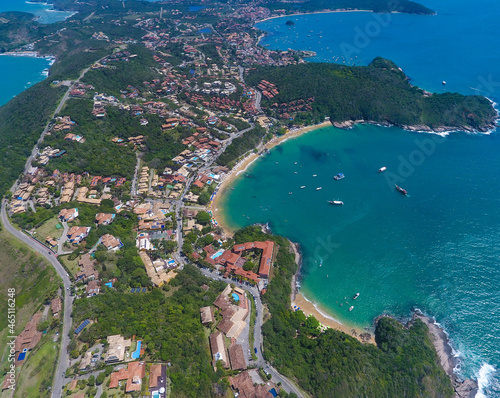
277 377
63 359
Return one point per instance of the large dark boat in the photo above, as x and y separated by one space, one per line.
403 191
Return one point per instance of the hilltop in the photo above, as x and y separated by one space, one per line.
378 93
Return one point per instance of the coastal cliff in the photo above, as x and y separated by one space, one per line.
379 93
467 388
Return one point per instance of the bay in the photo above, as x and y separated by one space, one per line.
438 248
44 11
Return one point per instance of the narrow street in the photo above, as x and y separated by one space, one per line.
63 359
277 377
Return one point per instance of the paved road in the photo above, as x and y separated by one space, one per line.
286 384
34 152
63 360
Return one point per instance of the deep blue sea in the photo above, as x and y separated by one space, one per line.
438 249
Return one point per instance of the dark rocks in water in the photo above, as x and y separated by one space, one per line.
289 23
463 388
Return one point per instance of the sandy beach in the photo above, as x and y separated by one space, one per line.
244 164
300 301
327 320
298 14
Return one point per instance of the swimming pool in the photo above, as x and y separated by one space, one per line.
219 253
137 353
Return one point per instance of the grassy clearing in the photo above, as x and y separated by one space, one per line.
48 228
38 370
34 280
71 265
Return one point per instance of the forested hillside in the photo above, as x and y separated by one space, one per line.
405 6
379 92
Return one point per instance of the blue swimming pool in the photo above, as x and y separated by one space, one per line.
219 253
137 353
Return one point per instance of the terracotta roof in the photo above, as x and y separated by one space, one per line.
237 357
134 373
154 374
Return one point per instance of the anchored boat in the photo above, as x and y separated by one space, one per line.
335 202
403 191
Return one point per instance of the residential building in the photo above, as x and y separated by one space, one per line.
87 271
207 315
237 357
68 215
92 288
133 374
104 218
218 349
110 242
77 234
116 348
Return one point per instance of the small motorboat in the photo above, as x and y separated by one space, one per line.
355 296
336 202
382 169
339 176
399 189
302 187
319 188
351 308
289 193
315 175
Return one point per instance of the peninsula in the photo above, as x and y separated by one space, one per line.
109 168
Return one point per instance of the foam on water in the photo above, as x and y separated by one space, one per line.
484 379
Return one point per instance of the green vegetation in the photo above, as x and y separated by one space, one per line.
19 28
405 6
122 73
379 92
98 155
241 145
21 123
35 378
35 282
240 124
169 327
333 364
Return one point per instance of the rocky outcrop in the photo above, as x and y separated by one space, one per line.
347 124
463 388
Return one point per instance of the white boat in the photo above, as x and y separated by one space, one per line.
382 169
302 187
355 296
314 175
444 83
317 189
335 202
289 193
351 308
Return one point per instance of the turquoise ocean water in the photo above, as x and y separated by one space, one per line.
437 249
43 11
19 73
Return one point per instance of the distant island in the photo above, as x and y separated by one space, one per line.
307 93
290 23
